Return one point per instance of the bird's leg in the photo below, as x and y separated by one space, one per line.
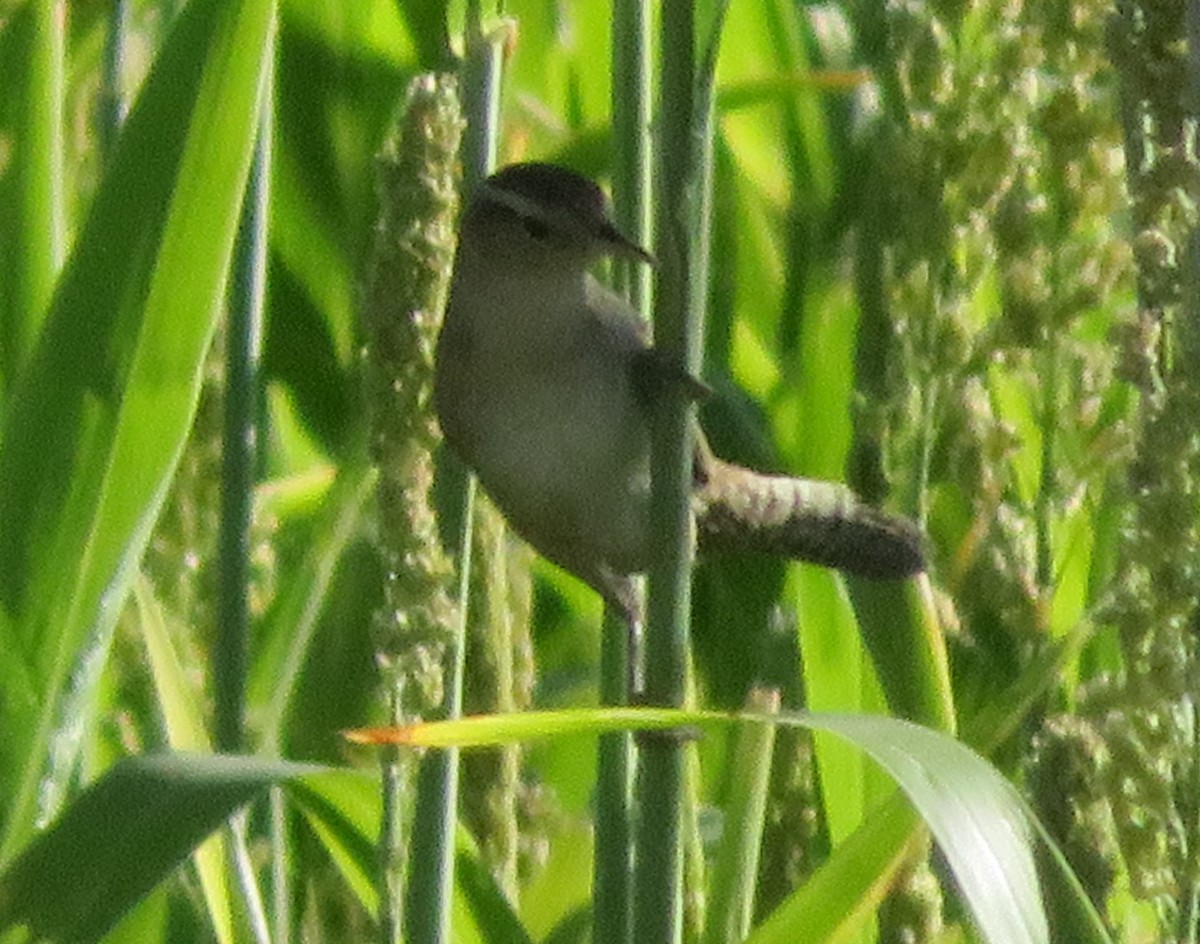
623 594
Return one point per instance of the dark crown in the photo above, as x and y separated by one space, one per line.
556 186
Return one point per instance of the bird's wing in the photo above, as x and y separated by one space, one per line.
652 369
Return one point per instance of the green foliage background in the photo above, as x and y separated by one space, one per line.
953 265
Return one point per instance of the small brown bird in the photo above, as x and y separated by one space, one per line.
543 385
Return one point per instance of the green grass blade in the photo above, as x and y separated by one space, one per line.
496 730
35 214
1073 917
111 391
838 902
837 677
899 625
70 390
735 871
492 912
976 816
123 835
184 721
342 808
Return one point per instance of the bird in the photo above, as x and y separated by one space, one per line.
544 383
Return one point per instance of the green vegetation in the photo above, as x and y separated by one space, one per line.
950 253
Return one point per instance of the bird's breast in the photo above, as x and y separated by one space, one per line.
560 443
535 393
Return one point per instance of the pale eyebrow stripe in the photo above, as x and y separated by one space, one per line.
514 201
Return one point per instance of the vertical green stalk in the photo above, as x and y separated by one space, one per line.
481 99
631 92
695 887
658 877
253 913
391 827
1189 343
612 906
500 611
612 857
239 453
37 163
430 886
735 872
498 679
1047 493
281 892
676 332
700 181
239 463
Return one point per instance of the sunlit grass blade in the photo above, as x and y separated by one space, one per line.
32 200
975 815
735 871
838 903
184 721
341 807
109 395
899 625
983 831
495 730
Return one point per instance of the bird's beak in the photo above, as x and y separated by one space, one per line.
625 248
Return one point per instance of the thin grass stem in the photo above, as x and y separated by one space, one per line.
659 858
239 454
612 906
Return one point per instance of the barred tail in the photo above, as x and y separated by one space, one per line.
820 522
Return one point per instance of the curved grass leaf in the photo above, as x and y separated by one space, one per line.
493 913
123 835
975 815
899 624
342 809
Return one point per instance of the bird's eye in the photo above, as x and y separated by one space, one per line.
537 229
